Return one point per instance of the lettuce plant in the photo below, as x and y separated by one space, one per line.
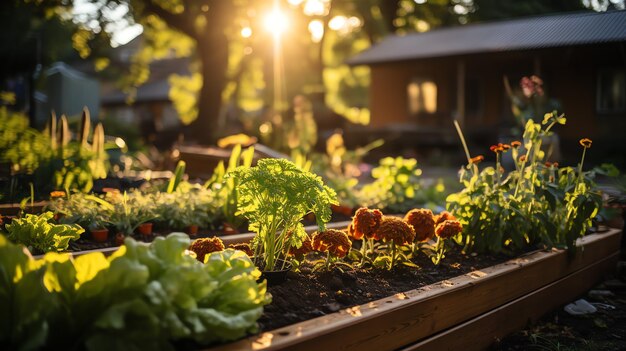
141 297
40 235
274 196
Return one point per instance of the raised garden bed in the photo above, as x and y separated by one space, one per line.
471 309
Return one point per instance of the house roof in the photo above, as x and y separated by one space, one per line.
581 28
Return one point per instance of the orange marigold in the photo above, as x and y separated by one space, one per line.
448 228
444 216
516 144
365 223
56 194
394 228
585 142
476 160
306 247
522 158
205 246
423 223
242 247
334 241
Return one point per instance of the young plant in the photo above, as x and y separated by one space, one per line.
274 196
395 187
335 244
395 233
40 235
226 189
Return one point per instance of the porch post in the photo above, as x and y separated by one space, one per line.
460 92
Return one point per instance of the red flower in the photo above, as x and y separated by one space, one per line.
205 246
423 222
334 241
365 223
448 229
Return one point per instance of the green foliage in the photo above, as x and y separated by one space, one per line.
274 196
190 204
339 167
534 204
179 172
20 145
40 235
142 297
226 189
396 184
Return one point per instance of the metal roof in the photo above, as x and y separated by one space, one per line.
511 35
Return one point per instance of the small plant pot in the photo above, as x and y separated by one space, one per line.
278 276
119 239
192 230
100 235
145 229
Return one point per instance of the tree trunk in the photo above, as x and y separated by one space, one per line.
213 56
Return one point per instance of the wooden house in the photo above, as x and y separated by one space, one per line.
421 82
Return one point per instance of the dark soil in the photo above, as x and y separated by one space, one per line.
309 294
558 330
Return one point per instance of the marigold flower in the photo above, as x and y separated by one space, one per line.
448 229
555 164
585 142
500 148
522 158
365 223
205 246
302 250
242 247
423 222
334 241
515 144
56 194
444 216
476 160
396 230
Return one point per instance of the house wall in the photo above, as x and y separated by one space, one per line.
569 75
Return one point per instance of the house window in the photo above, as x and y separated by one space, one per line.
611 92
422 95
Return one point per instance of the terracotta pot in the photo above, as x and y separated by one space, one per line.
192 230
119 239
145 229
100 235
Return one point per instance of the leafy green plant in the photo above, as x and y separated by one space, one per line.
190 204
126 214
226 188
534 204
73 164
40 235
141 297
395 186
274 196
339 167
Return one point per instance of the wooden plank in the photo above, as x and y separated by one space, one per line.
404 318
481 332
